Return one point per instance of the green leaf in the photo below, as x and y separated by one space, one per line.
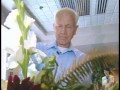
30 52
20 23
22 27
22 10
38 78
21 40
27 29
32 78
25 64
96 64
17 3
44 86
20 64
52 59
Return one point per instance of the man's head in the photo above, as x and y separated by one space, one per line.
65 26
107 71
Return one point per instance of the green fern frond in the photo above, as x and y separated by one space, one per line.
94 62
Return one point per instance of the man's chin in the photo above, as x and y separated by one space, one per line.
62 42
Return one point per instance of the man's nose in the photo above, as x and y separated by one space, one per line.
63 30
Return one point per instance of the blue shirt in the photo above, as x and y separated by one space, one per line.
64 59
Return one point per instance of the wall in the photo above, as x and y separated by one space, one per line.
96 35
87 48
106 36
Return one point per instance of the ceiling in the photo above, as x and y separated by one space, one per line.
43 11
93 13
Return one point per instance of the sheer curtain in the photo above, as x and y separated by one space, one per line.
3 52
10 41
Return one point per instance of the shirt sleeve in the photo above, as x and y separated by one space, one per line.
79 54
40 46
35 58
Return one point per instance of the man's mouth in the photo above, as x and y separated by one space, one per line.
62 37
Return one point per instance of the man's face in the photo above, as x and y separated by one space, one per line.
65 29
106 73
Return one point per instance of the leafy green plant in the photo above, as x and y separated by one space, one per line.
46 76
45 80
95 62
24 27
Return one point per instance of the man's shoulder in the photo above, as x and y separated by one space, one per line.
41 45
104 77
78 53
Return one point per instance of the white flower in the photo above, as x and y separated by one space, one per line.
14 57
13 39
11 62
39 52
28 21
11 20
32 71
13 35
19 55
10 38
37 58
31 40
104 80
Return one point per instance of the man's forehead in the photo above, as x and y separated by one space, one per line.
63 23
65 19
63 14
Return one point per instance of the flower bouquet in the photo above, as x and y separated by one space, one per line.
21 57
74 78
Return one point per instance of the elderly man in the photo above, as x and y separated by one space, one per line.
65 26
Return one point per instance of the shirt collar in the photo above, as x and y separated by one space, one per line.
54 45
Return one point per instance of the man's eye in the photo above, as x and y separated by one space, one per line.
59 26
68 26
